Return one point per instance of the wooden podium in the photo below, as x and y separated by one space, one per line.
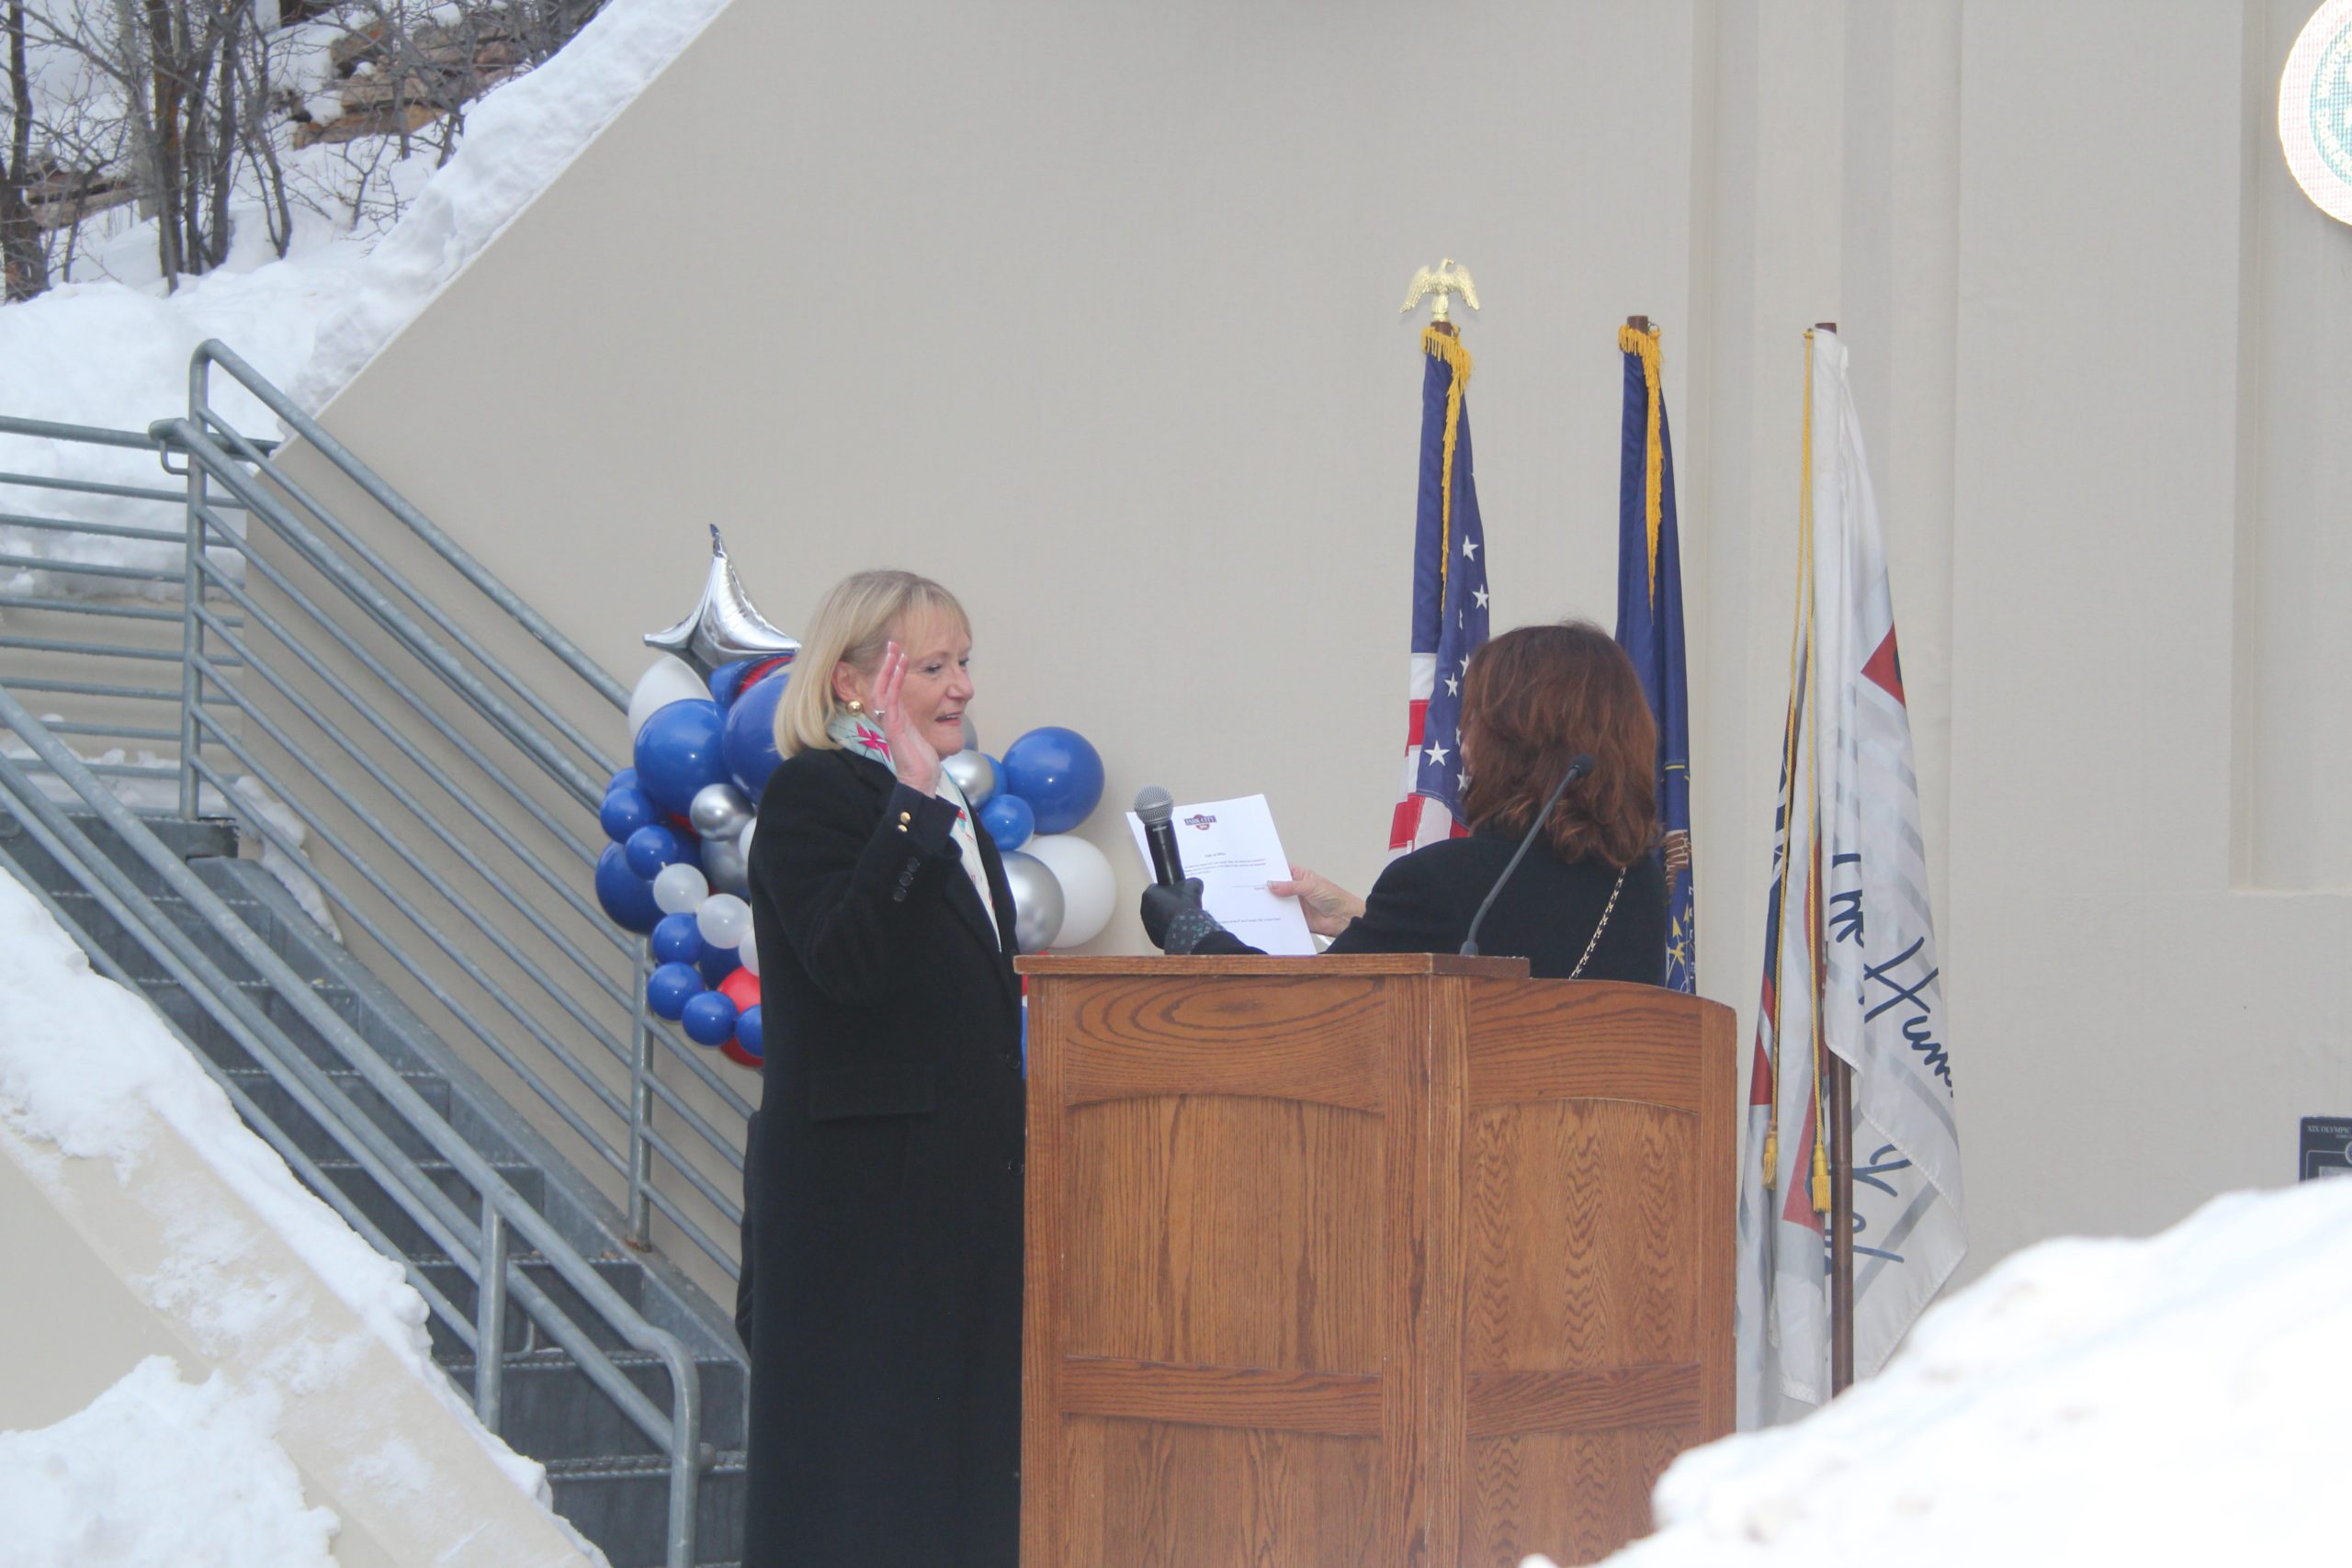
1366 1259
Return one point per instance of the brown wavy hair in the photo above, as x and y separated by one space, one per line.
1532 699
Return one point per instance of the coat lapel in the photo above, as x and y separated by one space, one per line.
961 897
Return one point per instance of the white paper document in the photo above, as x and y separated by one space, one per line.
1232 847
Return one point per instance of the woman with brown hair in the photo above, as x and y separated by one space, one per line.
1589 901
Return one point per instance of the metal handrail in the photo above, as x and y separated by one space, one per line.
502 1207
278 507
259 652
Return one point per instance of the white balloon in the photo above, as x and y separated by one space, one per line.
722 919
744 843
667 679
747 955
1089 891
680 889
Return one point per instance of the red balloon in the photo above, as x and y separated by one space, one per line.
741 987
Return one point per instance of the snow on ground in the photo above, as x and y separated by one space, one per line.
89 1066
114 352
2177 1400
157 1470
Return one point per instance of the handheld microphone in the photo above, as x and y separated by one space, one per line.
1578 766
1157 808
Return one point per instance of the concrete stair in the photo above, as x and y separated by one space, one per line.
608 1480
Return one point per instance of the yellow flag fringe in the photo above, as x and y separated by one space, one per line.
1440 343
1632 340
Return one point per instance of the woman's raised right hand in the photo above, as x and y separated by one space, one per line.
912 757
1328 906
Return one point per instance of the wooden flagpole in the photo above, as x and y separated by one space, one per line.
1840 1079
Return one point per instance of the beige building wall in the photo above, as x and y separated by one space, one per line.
1091 312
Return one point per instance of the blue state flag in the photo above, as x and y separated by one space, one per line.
1649 628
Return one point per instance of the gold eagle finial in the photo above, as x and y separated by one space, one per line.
1448 280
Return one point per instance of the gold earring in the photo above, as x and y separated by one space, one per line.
855 707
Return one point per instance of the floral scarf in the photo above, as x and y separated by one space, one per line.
856 733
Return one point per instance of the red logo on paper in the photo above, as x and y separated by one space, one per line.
1200 820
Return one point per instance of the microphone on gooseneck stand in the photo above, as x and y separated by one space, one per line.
1579 765
1157 808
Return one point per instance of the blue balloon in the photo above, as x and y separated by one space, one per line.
624 778
1009 820
677 753
710 1018
750 740
670 987
718 963
726 680
678 940
1058 773
751 1033
626 895
625 811
651 848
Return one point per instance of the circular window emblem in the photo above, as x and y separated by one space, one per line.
2315 109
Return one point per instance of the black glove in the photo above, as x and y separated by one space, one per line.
1173 919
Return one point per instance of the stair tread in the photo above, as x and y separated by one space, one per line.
550 1358
616 1467
428 1164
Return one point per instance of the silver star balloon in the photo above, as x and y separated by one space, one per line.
724 628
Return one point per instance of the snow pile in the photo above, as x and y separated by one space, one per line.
2179 1399
159 1471
518 138
114 352
89 1066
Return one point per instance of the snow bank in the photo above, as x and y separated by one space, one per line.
518 138
2179 1399
114 353
159 1471
89 1066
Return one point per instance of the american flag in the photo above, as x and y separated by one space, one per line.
1449 601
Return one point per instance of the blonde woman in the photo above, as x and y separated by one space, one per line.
882 1216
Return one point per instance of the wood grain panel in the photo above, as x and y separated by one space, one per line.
1046 1498
1208 1231
1503 1403
1573 1496
1174 1496
1583 1039
1581 1222
1341 1404
1303 1036
1722 1103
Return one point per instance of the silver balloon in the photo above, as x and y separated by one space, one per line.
723 862
971 736
1036 900
973 774
724 628
719 811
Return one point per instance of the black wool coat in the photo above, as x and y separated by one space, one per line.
1424 902
882 1214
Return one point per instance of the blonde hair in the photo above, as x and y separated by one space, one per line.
861 614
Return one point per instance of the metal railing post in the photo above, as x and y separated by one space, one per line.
191 624
490 1317
640 1109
